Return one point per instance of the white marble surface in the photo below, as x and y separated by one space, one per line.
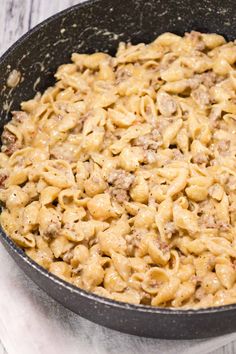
16 17
2 350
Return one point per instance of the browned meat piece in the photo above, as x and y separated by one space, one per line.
201 96
121 179
223 145
143 141
166 104
8 138
122 75
200 158
133 241
9 142
3 177
121 182
52 229
208 221
194 82
208 79
149 141
121 195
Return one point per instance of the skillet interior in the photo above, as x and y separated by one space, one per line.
99 25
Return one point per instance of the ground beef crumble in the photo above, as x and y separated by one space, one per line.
149 141
9 141
201 96
3 177
121 179
223 145
200 158
121 195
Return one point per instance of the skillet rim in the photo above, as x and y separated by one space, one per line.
53 278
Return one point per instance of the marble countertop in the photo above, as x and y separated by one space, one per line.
2 350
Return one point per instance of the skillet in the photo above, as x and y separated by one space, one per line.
99 25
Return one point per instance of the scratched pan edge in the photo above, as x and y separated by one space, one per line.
99 25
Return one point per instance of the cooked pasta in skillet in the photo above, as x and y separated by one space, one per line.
121 179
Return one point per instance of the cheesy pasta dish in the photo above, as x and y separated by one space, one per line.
121 178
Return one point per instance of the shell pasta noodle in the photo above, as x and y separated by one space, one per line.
121 178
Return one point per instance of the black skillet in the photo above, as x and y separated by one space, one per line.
101 25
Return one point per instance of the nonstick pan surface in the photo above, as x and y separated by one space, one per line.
99 25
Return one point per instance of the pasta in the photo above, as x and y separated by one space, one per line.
121 178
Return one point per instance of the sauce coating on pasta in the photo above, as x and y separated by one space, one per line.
121 178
